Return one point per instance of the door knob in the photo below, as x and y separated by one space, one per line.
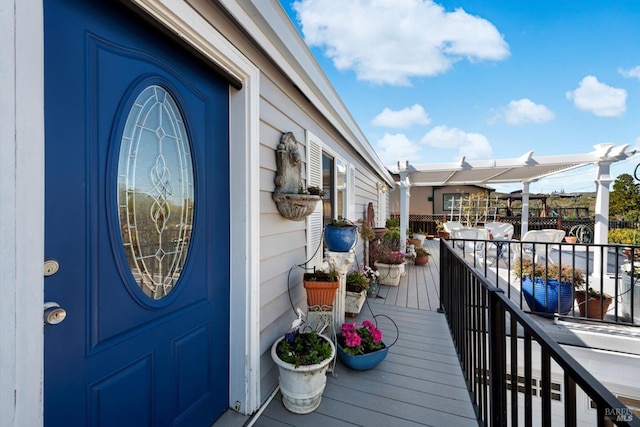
53 313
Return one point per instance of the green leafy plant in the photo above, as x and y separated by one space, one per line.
564 272
315 191
357 281
342 222
592 293
355 339
301 349
624 236
322 276
420 251
386 252
392 223
366 232
392 235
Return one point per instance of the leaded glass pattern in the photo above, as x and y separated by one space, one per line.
155 191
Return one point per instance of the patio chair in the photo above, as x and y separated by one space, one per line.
449 226
535 251
503 230
470 240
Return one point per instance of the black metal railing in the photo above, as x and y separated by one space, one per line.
496 341
427 224
609 274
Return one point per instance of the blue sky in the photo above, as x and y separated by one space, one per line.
433 81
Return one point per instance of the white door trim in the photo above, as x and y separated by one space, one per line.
244 362
22 212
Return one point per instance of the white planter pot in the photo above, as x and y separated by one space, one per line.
354 301
420 237
302 387
390 274
626 303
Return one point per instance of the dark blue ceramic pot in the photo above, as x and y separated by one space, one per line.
339 239
542 295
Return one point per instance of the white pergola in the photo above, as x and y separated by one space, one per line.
524 170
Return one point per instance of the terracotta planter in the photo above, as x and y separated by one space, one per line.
415 242
443 234
390 274
591 308
421 260
321 293
380 232
354 301
571 239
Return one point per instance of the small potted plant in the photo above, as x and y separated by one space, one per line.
321 287
361 347
357 284
543 284
340 235
630 278
589 302
440 230
422 256
389 261
420 235
303 359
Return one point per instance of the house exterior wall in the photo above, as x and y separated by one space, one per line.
283 242
430 200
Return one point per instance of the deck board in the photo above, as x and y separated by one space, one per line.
420 383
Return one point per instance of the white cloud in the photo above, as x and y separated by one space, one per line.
471 145
407 117
393 147
391 41
598 98
523 111
633 73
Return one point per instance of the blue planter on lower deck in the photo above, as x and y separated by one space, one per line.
362 362
542 295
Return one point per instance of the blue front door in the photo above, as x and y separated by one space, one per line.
137 214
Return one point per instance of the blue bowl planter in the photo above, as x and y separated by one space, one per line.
362 362
339 238
542 295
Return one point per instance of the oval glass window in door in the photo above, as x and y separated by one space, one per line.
155 191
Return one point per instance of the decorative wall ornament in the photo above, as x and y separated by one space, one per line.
294 201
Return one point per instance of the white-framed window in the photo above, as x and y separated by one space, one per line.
336 177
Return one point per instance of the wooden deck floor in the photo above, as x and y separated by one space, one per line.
420 382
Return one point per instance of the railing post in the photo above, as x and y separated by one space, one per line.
497 360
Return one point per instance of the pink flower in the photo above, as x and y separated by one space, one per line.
352 339
348 327
368 324
376 335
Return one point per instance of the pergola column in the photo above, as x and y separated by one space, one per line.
601 220
524 219
405 193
